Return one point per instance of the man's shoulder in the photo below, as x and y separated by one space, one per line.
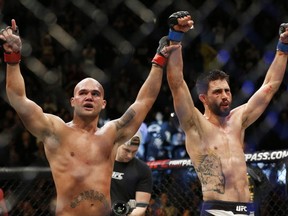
140 163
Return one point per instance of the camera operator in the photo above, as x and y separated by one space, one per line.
131 180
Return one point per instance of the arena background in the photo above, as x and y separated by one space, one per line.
114 42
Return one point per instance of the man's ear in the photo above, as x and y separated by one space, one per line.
202 98
104 104
72 101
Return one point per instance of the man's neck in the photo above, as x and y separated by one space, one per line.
90 127
216 120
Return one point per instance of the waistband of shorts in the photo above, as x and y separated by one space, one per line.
235 207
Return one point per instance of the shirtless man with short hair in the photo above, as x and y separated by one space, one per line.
80 154
215 139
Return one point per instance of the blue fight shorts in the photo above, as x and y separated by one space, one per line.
222 208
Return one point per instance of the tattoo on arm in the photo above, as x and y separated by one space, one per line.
126 118
211 174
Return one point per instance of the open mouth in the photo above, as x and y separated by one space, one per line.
224 104
88 106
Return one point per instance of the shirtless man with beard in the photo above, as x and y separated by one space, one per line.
215 138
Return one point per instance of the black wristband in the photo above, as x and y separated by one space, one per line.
141 204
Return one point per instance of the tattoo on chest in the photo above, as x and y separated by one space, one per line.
89 195
211 174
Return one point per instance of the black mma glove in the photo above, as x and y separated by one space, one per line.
172 21
13 57
282 46
161 56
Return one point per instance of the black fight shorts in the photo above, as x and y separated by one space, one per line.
221 208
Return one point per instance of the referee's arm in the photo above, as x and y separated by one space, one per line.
142 202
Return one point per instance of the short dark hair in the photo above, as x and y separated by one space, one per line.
205 78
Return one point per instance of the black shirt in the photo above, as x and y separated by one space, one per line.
127 178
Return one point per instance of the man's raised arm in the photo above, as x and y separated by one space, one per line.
29 112
273 79
147 95
179 23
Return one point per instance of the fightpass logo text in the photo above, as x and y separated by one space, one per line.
266 156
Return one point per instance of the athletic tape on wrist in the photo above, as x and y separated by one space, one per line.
175 35
282 47
159 60
12 58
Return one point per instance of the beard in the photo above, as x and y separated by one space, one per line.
216 109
